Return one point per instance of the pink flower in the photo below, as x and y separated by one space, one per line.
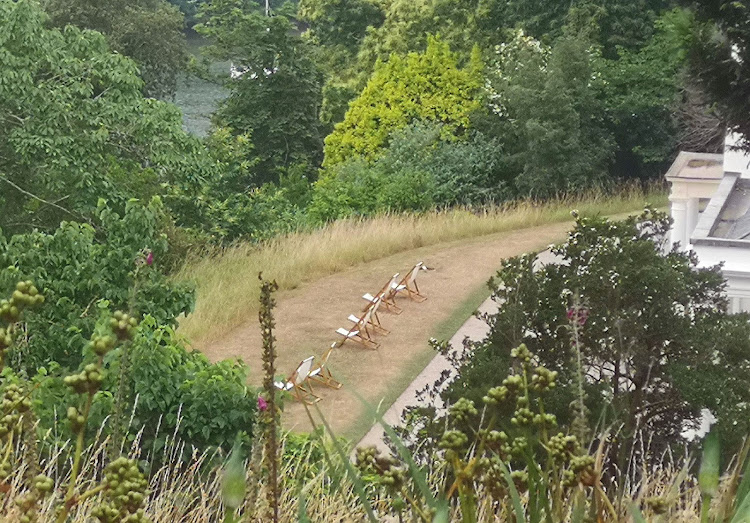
149 258
578 315
262 404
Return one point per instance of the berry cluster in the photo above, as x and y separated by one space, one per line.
87 381
27 502
496 453
25 295
125 490
14 404
101 345
463 410
387 469
123 325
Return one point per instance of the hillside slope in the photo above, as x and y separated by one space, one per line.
307 317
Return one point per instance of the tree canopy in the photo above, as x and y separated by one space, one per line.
652 329
77 126
276 91
148 31
721 60
425 86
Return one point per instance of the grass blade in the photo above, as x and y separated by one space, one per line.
743 490
708 476
359 486
514 496
636 513
302 516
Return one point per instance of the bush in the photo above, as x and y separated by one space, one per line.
654 338
180 391
78 267
357 188
419 169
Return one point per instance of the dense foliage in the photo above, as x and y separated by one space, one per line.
86 272
656 342
422 86
148 31
275 89
721 58
77 127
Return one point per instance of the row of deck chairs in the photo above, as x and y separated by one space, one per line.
300 383
368 322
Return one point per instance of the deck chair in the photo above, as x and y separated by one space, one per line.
323 374
298 383
360 332
387 295
409 283
374 320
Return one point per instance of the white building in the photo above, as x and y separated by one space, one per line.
710 205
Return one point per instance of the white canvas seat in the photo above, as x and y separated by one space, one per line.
409 283
298 383
386 294
359 331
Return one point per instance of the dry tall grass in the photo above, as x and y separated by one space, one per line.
191 491
227 279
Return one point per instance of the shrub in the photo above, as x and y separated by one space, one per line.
78 267
656 342
181 392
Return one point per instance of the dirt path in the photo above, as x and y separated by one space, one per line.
307 317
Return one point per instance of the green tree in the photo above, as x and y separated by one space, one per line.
77 127
148 31
275 95
721 60
656 343
548 116
336 29
425 86
641 92
340 22
80 269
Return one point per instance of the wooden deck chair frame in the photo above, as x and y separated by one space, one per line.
374 319
323 374
387 294
298 383
409 283
359 332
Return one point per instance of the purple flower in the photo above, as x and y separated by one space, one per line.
149 258
262 404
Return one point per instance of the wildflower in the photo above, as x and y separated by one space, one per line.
262 404
579 315
150 258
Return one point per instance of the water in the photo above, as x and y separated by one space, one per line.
198 99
